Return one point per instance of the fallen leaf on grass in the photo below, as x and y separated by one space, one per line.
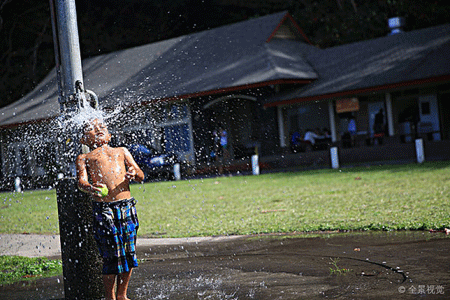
30 276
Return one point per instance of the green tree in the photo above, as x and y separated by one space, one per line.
26 43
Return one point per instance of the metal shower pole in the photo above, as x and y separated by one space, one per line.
81 262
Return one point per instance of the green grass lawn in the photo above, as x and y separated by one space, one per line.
413 196
17 268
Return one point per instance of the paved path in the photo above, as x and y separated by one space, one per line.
35 245
31 245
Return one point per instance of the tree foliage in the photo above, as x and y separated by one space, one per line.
26 43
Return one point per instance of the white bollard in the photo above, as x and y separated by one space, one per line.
177 171
334 157
255 165
17 186
419 151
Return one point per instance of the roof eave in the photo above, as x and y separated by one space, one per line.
224 90
380 88
32 122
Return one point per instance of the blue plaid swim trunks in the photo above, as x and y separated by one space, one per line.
115 228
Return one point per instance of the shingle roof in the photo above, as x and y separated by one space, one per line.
237 56
232 56
388 60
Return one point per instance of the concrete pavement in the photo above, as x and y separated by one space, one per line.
36 245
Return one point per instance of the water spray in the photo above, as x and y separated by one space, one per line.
80 100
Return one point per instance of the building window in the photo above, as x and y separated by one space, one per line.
425 108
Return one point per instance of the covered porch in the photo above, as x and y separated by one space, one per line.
391 152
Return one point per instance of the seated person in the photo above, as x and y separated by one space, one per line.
296 138
296 142
326 133
311 136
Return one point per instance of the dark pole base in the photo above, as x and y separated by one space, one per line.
82 263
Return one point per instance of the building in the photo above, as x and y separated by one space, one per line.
262 81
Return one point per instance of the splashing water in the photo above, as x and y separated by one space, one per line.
39 152
76 120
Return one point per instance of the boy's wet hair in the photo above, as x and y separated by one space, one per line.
88 123
87 126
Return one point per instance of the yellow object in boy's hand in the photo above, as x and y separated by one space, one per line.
103 191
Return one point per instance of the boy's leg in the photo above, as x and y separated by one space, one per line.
109 281
122 285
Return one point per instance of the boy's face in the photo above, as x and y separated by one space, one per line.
95 134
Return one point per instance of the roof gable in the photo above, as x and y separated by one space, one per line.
288 29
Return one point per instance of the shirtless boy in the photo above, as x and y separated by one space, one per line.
115 218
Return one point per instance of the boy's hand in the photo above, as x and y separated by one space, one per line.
97 189
131 173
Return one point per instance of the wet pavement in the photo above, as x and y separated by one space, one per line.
374 265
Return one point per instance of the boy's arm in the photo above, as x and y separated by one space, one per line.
82 177
133 170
